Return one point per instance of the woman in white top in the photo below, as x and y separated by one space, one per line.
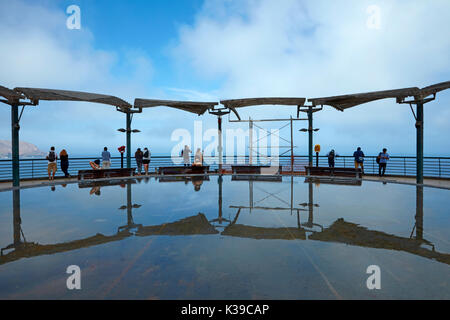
146 160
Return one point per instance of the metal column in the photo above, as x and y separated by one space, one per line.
128 140
250 141
310 136
15 144
292 147
419 152
219 148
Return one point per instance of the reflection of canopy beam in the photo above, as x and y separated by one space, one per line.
244 231
268 208
353 234
194 225
29 250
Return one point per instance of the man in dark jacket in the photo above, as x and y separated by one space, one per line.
138 156
359 159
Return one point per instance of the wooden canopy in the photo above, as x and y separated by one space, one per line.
35 94
350 100
189 106
238 103
433 89
9 94
247 102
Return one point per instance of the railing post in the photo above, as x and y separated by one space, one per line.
32 168
404 166
344 162
439 159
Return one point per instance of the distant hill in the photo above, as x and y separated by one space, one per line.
26 150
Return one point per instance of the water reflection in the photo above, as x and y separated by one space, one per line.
340 231
196 180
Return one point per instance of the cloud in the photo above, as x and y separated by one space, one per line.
324 48
37 50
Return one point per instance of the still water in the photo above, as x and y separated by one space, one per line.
225 239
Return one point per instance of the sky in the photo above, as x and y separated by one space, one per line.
212 50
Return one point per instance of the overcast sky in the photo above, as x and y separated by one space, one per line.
212 50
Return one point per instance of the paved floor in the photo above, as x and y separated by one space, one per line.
436 183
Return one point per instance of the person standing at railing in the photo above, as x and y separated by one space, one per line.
52 157
106 159
359 159
382 160
186 155
198 159
331 156
139 155
146 160
64 162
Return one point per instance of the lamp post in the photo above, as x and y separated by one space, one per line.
128 131
310 131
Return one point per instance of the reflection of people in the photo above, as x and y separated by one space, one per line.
197 182
198 159
359 159
64 162
95 165
95 190
186 155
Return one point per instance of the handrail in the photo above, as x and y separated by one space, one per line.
437 167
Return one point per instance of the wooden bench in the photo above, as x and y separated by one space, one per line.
183 170
105 173
254 169
334 172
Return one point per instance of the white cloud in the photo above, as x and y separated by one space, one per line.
323 48
37 50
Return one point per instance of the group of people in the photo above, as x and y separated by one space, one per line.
198 157
52 167
142 159
358 156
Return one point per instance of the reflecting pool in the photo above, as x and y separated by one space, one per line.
223 237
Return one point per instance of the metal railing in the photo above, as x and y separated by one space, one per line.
437 167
